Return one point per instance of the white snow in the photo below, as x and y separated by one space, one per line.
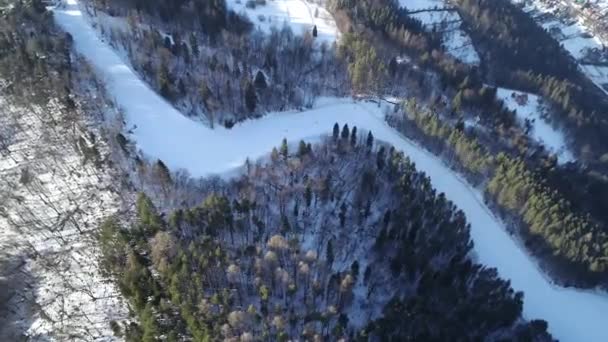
414 5
52 219
300 15
530 108
456 41
162 132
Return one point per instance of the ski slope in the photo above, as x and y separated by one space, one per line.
162 132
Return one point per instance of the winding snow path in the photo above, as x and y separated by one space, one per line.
164 133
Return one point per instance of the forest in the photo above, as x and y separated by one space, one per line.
574 247
227 75
539 64
334 240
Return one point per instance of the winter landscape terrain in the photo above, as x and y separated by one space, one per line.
53 199
222 150
571 31
256 225
440 16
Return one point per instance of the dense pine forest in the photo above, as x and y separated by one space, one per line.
337 240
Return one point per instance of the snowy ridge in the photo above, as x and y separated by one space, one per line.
162 132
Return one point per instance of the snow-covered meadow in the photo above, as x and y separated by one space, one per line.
300 15
529 107
439 15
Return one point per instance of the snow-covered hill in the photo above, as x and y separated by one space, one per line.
162 132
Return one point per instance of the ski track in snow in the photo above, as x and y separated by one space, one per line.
162 132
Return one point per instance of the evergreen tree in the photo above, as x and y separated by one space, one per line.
336 131
302 149
284 149
370 140
308 195
329 253
353 137
345 132
260 80
314 31
194 45
342 214
250 97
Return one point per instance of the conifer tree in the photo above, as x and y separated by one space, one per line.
345 132
336 131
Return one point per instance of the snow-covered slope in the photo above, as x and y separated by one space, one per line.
162 132
528 107
437 14
52 202
300 15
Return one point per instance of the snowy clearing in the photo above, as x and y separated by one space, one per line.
162 132
300 15
528 107
436 14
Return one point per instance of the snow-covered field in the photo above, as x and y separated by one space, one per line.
529 107
162 132
436 14
300 15
52 203
576 37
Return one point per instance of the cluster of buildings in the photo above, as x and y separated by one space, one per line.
595 15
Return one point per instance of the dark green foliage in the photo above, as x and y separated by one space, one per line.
284 149
251 99
345 132
370 140
260 81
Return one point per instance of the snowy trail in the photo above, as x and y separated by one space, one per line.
162 132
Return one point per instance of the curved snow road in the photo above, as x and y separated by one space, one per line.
162 132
